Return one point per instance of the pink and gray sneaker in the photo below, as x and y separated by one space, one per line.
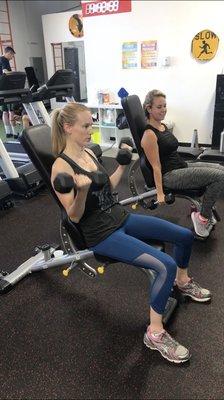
193 290
200 226
169 348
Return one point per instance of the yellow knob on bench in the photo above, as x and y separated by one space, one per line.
100 270
65 272
134 206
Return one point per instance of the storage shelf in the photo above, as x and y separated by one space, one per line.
106 131
108 126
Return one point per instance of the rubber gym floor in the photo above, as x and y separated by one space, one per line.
79 338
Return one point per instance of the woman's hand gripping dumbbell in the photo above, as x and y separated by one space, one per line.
64 183
124 154
168 199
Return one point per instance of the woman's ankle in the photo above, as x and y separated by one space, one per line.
182 277
155 328
202 218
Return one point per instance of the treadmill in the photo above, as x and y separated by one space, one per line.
60 86
5 195
25 180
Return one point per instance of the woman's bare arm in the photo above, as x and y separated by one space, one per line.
150 146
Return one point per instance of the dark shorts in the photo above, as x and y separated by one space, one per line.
6 107
16 108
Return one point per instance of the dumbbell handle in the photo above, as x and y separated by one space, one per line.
169 199
126 140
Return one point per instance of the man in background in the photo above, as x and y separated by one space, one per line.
7 110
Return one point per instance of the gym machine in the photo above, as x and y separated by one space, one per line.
60 85
37 142
6 201
24 181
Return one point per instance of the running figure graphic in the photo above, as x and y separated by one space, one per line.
205 47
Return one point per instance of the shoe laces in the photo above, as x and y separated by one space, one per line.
167 340
192 285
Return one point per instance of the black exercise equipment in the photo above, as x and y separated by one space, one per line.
32 79
218 120
124 157
126 140
6 201
189 153
37 142
25 180
64 183
137 123
215 154
169 199
60 85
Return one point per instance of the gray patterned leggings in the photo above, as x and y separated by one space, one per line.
197 175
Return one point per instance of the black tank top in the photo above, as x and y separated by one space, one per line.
168 144
102 214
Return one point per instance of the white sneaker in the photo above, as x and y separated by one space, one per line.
213 220
200 227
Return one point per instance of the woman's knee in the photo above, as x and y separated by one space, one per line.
187 237
171 266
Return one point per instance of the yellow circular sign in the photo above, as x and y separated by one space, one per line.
76 25
204 45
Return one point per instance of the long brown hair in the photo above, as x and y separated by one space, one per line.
60 116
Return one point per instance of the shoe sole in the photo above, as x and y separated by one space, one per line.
147 343
196 298
194 223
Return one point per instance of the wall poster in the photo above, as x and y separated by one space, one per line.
129 55
149 54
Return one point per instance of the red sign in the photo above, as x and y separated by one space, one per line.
98 7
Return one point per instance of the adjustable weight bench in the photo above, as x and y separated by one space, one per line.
37 143
137 123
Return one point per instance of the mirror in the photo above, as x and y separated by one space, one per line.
71 55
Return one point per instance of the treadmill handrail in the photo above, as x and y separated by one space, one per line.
15 95
47 92
14 92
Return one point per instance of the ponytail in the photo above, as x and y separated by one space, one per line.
57 133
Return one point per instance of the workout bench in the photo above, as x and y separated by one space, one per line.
37 143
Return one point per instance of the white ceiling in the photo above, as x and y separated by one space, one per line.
51 6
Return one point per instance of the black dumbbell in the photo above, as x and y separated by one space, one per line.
169 199
126 140
64 183
98 178
124 156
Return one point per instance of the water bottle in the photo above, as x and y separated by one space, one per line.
194 141
221 142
